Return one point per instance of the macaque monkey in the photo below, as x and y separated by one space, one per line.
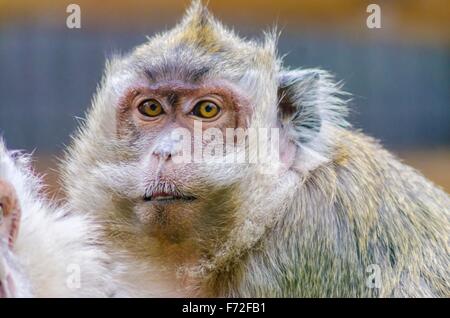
335 216
45 250
332 215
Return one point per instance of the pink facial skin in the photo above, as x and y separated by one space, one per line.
9 226
9 213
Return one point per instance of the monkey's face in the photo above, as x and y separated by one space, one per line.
166 127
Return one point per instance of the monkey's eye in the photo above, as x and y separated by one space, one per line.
206 109
150 108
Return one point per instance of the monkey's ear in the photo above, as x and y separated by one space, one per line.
309 101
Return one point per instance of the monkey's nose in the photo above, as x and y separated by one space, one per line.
162 154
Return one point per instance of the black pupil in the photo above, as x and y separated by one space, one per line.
208 108
153 106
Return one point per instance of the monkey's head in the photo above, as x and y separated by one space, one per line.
149 144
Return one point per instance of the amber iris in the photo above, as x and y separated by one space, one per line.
150 108
206 109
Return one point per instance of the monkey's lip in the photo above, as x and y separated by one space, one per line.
166 198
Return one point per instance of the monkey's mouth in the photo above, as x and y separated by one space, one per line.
168 198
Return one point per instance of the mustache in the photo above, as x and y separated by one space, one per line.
163 186
132 180
129 181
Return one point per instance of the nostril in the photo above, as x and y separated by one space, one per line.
163 155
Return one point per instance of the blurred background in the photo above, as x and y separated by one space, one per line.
399 74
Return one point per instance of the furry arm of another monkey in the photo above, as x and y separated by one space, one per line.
55 254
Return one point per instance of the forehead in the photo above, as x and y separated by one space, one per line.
196 58
181 63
